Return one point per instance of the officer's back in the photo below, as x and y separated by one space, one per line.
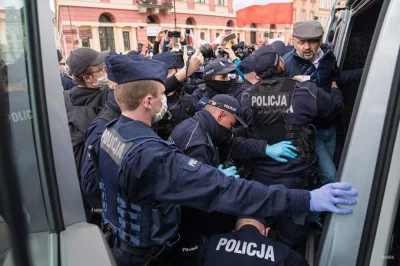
248 245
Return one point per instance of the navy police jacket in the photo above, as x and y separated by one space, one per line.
198 137
309 102
144 179
248 246
89 177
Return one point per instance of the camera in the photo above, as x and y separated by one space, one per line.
206 50
174 34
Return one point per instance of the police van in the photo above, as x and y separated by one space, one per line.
42 219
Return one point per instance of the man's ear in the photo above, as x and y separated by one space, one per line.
267 230
257 77
147 101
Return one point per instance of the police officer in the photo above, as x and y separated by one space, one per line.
180 105
145 179
248 245
216 81
249 77
277 109
203 138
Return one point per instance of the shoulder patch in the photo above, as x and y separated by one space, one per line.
114 146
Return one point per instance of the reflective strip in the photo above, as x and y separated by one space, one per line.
123 205
104 197
101 186
129 238
104 206
127 215
126 225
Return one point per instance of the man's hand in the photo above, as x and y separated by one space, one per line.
280 150
196 61
327 197
230 52
334 85
183 35
298 78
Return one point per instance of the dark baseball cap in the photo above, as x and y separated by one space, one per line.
218 66
82 58
265 60
308 30
229 104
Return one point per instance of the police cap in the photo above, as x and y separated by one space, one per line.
128 68
218 66
229 104
107 61
171 59
265 60
245 66
279 47
82 58
260 220
308 30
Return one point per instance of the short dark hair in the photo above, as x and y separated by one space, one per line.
129 95
79 79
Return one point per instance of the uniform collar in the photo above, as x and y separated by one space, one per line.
207 123
249 228
111 102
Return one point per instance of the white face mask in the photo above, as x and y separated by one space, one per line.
164 108
101 82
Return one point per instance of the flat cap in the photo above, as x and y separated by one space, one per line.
308 30
128 68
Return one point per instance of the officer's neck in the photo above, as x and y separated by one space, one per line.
139 115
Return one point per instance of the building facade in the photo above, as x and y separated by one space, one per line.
121 24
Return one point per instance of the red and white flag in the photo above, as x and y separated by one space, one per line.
263 12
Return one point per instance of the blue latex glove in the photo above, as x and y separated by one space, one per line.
231 171
278 150
326 198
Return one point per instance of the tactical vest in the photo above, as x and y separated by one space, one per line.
138 224
269 101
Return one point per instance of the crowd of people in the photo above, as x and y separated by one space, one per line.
217 155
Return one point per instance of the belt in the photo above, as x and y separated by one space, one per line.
140 252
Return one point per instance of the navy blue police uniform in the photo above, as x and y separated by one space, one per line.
144 180
277 109
245 67
202 139
180 104
247 246
210 88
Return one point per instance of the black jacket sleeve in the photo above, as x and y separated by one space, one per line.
156 48
248 148
330 105
172 84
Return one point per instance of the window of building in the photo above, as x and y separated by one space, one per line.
188 22
217 34
253 37
85 43
311 15
238 37
127 42
201 1
150 20
106 35
303 15
221 2
105 19
253 26
202 35
230 24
